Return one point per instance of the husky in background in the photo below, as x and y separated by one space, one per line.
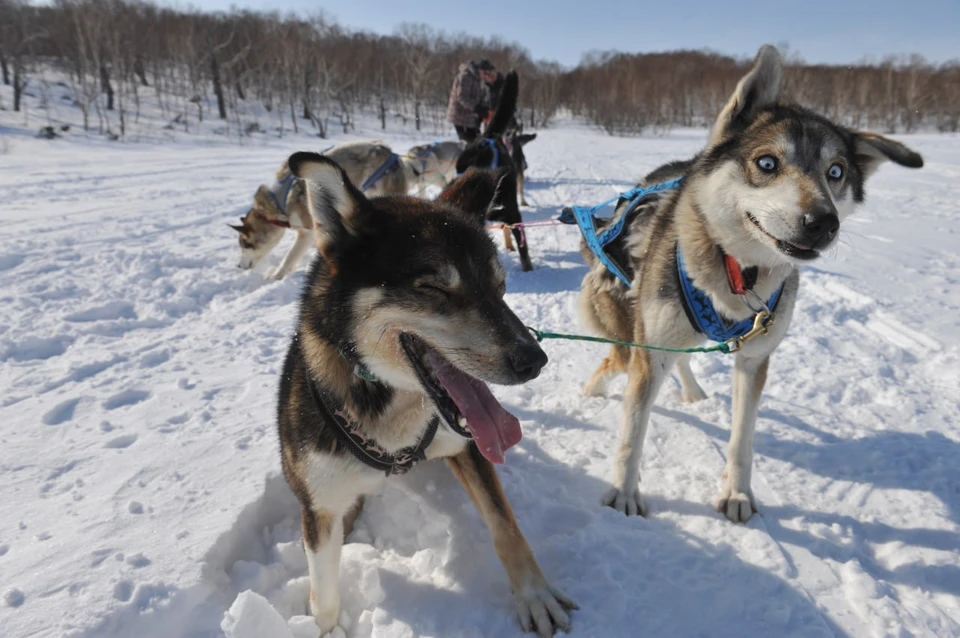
433 164
767 194
515 140
284 205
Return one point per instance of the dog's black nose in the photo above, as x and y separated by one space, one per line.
527 360
820 227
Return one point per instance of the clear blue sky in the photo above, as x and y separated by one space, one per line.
832 31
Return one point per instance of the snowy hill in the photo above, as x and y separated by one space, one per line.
139 466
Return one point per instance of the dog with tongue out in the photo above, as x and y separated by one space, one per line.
402 325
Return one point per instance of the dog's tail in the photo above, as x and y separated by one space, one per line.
506 108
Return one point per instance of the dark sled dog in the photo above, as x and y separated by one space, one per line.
515 140
489 151
767 194
402 323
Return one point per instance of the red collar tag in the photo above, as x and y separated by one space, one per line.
734 275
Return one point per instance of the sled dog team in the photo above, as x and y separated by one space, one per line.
402 321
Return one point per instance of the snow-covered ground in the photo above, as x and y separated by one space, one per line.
140 492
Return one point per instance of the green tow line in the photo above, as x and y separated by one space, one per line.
542 334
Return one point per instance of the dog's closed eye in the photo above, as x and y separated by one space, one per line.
431 285
442 281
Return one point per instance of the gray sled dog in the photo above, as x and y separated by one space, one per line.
768 193
284 205
402 324
434 164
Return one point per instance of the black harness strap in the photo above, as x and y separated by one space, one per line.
363 447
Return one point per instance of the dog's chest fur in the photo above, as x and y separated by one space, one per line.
394 419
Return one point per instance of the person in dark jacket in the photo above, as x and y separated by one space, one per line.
470 99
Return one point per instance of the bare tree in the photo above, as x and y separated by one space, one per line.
22 36
418 62
113 51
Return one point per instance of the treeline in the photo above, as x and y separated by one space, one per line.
626 93
225 65
312 72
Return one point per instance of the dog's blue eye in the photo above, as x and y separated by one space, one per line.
767 163
835 172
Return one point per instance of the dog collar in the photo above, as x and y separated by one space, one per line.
275 222
364 448
700 310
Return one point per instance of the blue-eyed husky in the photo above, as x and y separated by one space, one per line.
768 193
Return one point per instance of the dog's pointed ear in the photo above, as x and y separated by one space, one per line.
239 228
758 89
526 138
473 192
873 150
337 207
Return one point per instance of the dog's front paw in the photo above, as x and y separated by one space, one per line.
331 622
629 502
277 274
594 388
736 505
543 609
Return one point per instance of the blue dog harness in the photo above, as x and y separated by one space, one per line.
283 185
422 155
583 217
703 315
495 162
382 170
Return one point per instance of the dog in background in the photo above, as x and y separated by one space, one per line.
767 194
489 151
434 164
284 205
515 139
402 323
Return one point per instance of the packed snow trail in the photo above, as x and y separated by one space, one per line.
139 467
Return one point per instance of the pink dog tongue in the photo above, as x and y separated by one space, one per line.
493 429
